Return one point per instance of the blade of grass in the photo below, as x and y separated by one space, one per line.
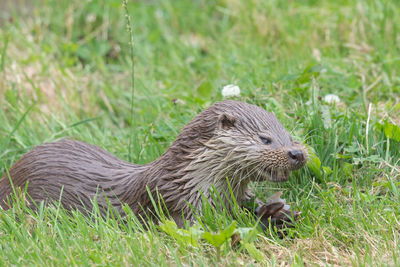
132 58
3 53
8 138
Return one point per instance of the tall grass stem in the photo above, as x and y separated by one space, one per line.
132 58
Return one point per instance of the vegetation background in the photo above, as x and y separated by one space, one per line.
65 71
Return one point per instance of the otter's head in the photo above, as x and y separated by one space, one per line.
232 140
267 148
244 142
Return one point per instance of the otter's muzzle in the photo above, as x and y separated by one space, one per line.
297 158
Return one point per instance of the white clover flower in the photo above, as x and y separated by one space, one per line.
230 90
316 54
331 98
90 18
159 14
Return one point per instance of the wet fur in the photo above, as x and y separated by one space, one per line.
222 141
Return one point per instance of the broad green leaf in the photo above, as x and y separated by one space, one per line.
314 163
327 170
372 158
392 131
101 48
219 238
183 236
169 227
309 72
347 168
254 252
248 234
354 149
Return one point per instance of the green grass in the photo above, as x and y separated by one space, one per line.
65 71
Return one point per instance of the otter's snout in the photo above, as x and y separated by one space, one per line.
297 157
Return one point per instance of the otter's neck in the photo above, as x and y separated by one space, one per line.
182 176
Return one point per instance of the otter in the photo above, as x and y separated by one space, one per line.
229 140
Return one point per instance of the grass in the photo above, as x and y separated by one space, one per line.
65 71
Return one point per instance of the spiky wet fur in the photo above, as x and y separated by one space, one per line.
221 142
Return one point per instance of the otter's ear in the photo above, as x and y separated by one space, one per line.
226 121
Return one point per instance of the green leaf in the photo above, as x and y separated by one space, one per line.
254 252
248 234
314 163
372 158
182 236
219 238
102 48
354 149
392 131
169 227
309 72
327 170
347 169
83 52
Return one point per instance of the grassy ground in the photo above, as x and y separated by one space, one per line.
65 72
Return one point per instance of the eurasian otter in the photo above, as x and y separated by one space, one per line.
234 140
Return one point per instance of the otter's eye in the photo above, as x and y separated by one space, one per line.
265 140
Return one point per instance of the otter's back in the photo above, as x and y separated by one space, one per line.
78 170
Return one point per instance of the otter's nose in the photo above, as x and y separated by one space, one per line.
296 155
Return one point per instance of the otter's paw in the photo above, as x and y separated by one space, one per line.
277 213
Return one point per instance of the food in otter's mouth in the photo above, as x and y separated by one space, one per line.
276 212
229 139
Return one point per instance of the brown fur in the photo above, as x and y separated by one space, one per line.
222 141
